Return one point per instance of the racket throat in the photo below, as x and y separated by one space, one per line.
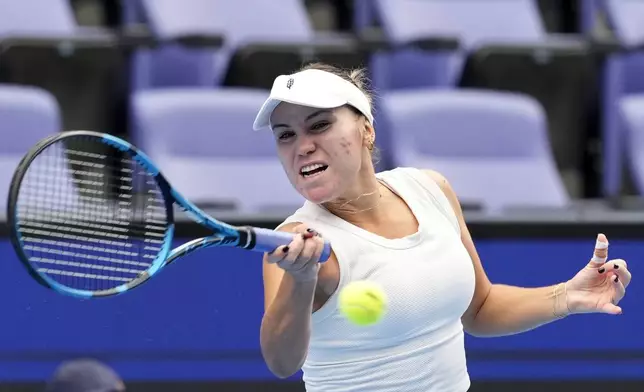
247 238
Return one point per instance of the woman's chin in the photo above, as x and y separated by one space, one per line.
318 195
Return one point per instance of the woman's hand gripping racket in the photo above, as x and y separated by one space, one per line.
91 216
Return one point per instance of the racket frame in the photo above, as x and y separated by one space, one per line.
244 237
15 236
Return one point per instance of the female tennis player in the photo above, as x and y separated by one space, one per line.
403 229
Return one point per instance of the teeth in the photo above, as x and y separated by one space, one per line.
309 168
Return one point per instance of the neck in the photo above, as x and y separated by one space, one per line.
362 203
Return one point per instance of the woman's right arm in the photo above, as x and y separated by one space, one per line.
290 281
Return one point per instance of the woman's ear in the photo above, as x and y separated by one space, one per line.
369 136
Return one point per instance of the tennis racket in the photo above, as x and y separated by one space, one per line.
91 216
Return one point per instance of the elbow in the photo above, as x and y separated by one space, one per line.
283 347
280 369
471 325
481 329
282 373
477 332
474 326
281 362
473 320
469 328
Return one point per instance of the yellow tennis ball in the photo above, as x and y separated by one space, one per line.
363 302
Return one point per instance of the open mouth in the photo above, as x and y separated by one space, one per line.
313 170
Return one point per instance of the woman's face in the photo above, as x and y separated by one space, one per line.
321 150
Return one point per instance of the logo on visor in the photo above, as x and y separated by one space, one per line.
290 82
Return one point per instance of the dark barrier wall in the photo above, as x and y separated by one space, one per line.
199 320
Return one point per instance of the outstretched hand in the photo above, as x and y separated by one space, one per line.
600 286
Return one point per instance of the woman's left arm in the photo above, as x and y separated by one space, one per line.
498 310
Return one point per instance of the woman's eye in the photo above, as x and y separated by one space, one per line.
285 135
320 126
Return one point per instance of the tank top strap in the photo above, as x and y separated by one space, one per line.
425 187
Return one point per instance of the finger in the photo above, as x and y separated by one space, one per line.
301 229
620 290
280 253
277 255
600 255
308 251
319 248
618 268
310 233
314 247
611 309
306 231
294 249
622 263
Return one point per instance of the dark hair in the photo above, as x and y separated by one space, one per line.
357 76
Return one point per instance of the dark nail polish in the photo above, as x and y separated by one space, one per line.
286 249
616 279
616 266
310 230
601 270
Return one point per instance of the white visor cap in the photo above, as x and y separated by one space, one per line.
313 88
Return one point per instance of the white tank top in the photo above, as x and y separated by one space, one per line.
429 280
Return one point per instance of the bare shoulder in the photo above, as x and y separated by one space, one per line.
437 177
289 227
443 183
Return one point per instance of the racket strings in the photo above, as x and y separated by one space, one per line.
88 217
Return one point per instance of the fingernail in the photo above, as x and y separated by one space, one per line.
616 266
601 270
310 230
285 249
616 279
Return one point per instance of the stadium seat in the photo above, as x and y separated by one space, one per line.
175 65
37 17
27 115
492 147
42 45
587 16
631 116
231 19
254 49
203 141
505 46
469 20
623 76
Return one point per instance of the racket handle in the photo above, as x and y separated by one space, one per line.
268 240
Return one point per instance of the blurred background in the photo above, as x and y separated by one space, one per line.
534 109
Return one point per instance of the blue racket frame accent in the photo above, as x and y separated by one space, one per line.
202 218
83 294
137 154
